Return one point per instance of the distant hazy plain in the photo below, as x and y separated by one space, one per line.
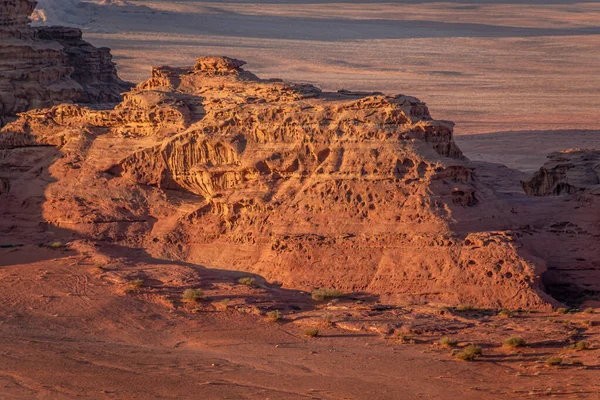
490 66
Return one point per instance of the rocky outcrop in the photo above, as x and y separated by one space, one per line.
358 191
93 67
566 172
570 180
41 67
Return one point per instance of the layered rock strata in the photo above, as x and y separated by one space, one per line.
41 67
566 172
210 164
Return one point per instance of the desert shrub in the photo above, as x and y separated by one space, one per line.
134 285
311 332
514 341
581 345
589 310
224 304
328 319
192 295
404 338
326 294
562 310
505 314
464 308
588 323
554 361
448 342
248 281
274 316
469 353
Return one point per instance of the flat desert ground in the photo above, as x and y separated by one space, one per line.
519 78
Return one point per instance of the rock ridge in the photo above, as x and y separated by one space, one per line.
45 66
364 192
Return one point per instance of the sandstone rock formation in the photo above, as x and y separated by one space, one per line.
45 66
361 192
215 166
569 171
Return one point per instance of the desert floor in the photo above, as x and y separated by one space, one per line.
489 66
75 324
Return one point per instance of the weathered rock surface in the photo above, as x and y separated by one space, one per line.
569 171
41 67
93 67
210 164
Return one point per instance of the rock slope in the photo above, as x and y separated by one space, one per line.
569 171
210 164
44 66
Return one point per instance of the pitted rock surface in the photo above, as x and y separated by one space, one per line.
45 66
363 192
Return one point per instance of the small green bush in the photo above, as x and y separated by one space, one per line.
448 342
562 310
505 314
464 308
581 345
404 338
192 295
274 316
133 285
514 341
248 281
326 294
589 310
311 332
554 361
469 353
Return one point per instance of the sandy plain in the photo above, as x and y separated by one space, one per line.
489 66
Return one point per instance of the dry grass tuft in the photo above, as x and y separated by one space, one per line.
311 332
326 294
274 316
192 295
469 353
248 281
514 341
448 342
581 345
554 361
134 285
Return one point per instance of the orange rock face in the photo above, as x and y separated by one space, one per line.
45 66
569 171
212 165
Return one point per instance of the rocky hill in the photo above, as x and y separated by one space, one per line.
45 66
210 164
569 171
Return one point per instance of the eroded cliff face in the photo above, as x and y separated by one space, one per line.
215 166
571 239
567 172
42 67
93 67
